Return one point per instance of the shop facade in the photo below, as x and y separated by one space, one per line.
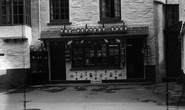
99 41
96 55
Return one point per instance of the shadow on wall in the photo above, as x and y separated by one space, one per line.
15 78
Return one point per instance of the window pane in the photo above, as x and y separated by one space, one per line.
101 53
55 16
15 2
62 10
66 16
15 11
66 4
59 10
20 19
107 14
56 11
114 52
6 10
6 20
77 54
62 4
4 2
20 2
116 2
107 2
110 9
89 53
20 9
66 10
15 19
7 2
27 10
62 16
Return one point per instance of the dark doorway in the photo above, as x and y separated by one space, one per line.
135 57
57 59
173 50
174 55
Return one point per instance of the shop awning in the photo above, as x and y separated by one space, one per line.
58 33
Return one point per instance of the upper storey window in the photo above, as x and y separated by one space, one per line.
15 12
172 14
110 10
59 11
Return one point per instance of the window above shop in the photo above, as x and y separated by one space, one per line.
96 53
110 11
15 12
59 11
172 14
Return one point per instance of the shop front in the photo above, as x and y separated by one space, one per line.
96 55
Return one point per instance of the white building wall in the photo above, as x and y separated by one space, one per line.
159 43
182 18
16 52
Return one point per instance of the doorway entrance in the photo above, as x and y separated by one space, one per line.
57 61
135 57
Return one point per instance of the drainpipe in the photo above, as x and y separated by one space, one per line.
39 21
166 53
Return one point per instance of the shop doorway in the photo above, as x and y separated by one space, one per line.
57 61
135 57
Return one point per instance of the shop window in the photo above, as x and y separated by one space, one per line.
95 53
15 12
77 54
172 14
114 49
110 10
59 11
89 52
101 53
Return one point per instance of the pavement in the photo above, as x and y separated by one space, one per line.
92 97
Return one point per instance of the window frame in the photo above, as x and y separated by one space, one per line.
110 19
107 57
12 13
59 20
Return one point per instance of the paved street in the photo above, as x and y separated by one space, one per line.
85 97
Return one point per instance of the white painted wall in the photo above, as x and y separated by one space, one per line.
16 53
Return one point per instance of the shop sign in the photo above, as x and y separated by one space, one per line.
94 30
